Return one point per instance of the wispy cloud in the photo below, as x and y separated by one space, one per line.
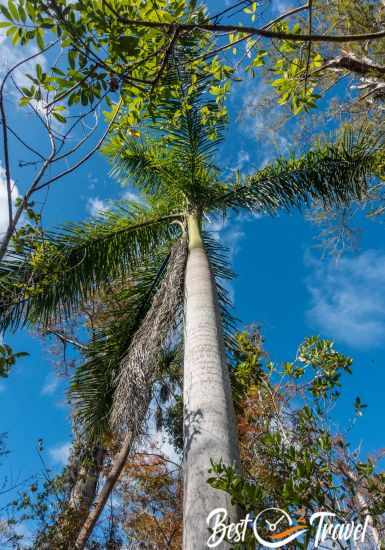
348 299
279 7
260 119
228 233
243 159
12 55
60 453
133 195
93 180
4 200
50 385
95 205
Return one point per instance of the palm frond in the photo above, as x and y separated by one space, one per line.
68 265
142 163
332 174
177 147
141 364
125 306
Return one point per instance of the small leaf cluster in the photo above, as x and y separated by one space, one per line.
101 57
293 68
8 358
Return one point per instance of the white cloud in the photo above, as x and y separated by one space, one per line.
228 233
243 159
260 120
93 181
11 55
96 205
50 385
280 6
134 196
348 299
60 453
23 530
4 200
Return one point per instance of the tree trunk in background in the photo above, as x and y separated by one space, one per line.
109 484
209 419
84 474
84 490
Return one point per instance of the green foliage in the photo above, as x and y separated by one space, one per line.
291 456
332 174
8 358
327 364
173 423
59 271
102 56
246 371
294 69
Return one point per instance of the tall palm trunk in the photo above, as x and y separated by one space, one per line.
209 419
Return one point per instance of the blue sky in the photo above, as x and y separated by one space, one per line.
282 285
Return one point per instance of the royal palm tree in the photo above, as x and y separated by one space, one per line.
181 186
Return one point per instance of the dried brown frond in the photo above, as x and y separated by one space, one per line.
140 365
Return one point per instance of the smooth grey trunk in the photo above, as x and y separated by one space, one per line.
209 418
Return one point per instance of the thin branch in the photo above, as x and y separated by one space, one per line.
79 144
72 88
6 157
161 457
247 30
5 128
88 155
66 339
267 26
29 147
309 45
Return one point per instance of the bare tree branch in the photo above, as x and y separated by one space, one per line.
87 156
65 339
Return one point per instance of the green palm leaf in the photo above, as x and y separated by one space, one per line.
126 304
333 174
62 271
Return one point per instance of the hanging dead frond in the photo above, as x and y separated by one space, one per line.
139 367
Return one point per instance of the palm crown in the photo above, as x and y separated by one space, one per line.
176 175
